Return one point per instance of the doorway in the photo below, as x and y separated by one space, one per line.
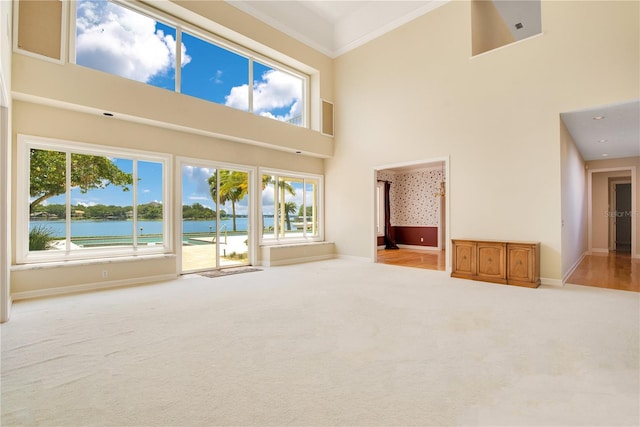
216 219
411 214
610 261
621 235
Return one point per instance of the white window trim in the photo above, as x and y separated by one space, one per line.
320 208
26 143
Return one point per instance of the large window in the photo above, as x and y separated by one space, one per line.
116 39
83 201
291 207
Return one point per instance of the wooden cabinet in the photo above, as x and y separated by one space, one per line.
509 263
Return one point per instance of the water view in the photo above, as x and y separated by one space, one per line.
149 231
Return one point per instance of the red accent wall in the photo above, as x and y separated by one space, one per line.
380 240
412 235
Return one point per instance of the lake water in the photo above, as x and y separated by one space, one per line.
88 228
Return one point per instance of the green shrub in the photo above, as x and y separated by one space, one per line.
40 238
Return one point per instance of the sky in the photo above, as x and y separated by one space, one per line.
119 41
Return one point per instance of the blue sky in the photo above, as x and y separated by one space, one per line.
116 40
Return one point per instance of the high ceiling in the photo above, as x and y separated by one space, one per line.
335 27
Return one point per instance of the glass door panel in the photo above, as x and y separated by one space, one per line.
215 218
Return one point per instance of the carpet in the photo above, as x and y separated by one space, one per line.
227 271
332 343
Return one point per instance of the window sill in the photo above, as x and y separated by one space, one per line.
92 261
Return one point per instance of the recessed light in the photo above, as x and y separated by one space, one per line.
598 118
605 155
108 114
298 152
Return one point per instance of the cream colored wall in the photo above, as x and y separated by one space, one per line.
574 202
408 95
489 30
600 199
6 12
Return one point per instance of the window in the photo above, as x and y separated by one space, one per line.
119 40
291 207
84 201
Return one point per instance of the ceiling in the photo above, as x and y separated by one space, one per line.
606 132
335 27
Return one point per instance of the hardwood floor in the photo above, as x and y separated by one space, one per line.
431 260
613 271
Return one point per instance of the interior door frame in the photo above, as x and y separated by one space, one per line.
632 170
253 199
443 232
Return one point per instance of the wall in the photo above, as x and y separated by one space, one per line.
489 30
65 101
574 203
415 211
409 95
600 200
6 12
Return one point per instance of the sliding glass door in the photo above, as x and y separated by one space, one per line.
215 217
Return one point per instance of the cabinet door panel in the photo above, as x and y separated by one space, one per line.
491 261
520 264
464 259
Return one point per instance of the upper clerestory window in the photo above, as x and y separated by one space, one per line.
116 39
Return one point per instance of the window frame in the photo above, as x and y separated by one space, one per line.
279 173
180 26
27 142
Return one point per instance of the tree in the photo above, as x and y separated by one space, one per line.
233 187
48 174
289 208
283 186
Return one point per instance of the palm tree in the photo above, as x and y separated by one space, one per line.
282 186
233 187
289 208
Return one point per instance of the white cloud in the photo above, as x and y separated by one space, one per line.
276 90
84 203
146 190
217 79
117 40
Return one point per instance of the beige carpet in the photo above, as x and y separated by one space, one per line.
329 343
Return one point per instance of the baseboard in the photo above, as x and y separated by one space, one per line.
419 248
573 268
551 282
300 260
600 250
354 258
40 293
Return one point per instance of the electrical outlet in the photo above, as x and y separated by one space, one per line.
105 274
421 239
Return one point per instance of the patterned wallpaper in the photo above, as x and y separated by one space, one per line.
412 197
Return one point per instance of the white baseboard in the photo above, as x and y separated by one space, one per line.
551 282
355 258
573 268
600 250
420 248
39 293
300 260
